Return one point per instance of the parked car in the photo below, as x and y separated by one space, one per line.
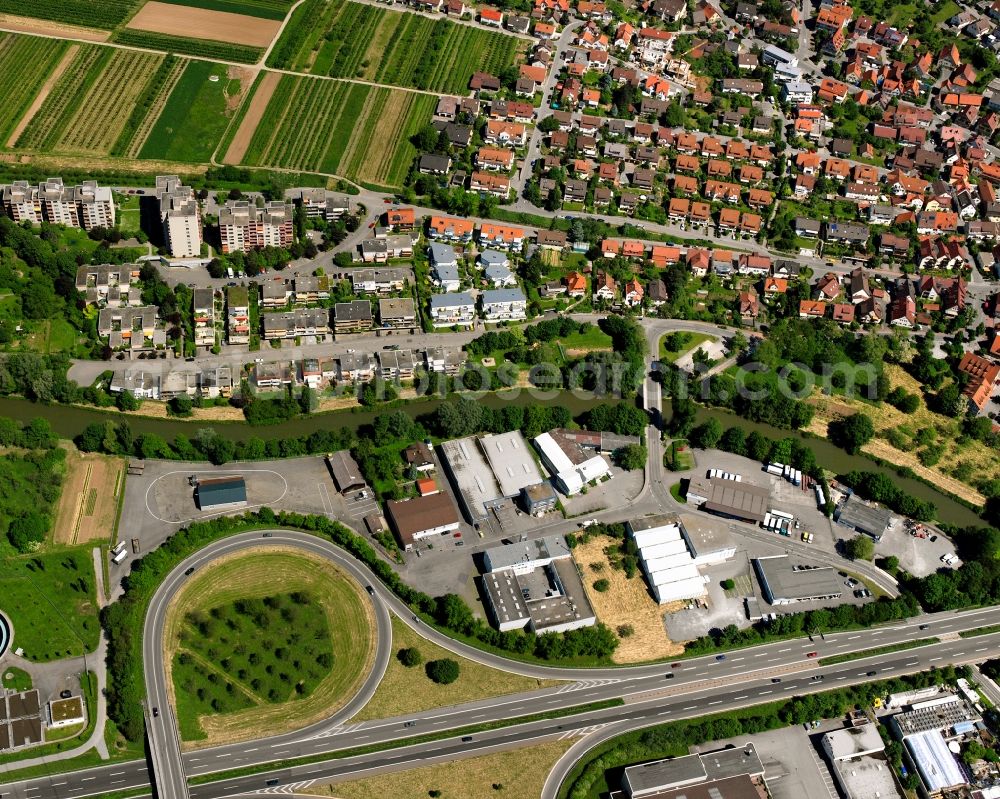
65 694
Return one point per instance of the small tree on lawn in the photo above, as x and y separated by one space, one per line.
410 656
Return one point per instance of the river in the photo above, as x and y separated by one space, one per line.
69 421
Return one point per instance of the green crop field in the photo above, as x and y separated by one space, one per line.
354 130
268 9
50 600
194 117
205 48
18 86
90 103
353 40
103 14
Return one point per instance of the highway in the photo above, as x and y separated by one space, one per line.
698 685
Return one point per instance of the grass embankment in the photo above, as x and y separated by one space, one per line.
15 679
993 628
903 438
408 690
521 770
691 342
266 640
875 651
402 742
50 600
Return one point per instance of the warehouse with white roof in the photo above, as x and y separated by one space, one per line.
571 470
668 564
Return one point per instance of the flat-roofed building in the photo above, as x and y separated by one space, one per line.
422 517
66 712
539 498
525 556
397 313
472 477
244 226
380 280
180 217
512 462
571 466
668 565
109 285
724 774
85 206
708 540
300 322
937 767
783 583
352 317
238 315
221 493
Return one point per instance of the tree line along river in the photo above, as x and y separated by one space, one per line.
69 421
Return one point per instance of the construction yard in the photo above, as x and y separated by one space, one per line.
625 603
88 505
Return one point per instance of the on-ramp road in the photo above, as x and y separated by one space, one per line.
699 686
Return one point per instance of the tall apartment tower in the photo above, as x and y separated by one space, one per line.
243 226
86 206
181 220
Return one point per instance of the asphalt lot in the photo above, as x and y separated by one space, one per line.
160 501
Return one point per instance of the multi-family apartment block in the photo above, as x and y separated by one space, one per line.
180 217
397 313
380 281
243 226
133 328
110 285
300 322
317 204
352 317
85 206
204 317
503 304
238 315
452 309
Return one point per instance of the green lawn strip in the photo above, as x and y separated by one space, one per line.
878 650
993 628
218 776
15 679
89 684
691 343
207 48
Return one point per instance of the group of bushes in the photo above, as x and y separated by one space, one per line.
123 620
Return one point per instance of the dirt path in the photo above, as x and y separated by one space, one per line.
43 94
248 125
59 30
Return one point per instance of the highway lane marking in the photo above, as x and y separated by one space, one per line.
716 702
852 637
738 698
765 693
932 660
787 649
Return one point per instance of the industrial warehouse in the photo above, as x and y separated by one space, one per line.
535 585
670 553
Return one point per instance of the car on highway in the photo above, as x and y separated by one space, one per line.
156 712
267 535
668 676
272 781
817 677
189 572
370 590
410 724
720 657
922 627
466 738
675 665
775 680
811 654
871 673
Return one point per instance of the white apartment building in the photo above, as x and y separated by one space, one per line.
243 226
181 219
453 309
85 206
503 304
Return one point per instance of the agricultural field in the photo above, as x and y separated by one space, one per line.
88 506
354 40
269 639
267 9
105 14
195 116
184 45
353 130
84 111
18 87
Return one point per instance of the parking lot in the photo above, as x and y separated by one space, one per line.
918 556
161 500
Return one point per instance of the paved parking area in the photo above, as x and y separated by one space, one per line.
161 500
919 556
620 489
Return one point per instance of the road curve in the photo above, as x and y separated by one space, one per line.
162 734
